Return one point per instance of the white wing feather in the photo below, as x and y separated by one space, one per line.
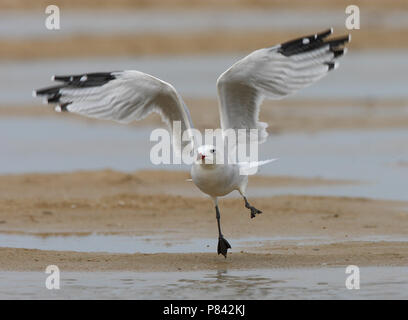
130 95
269 73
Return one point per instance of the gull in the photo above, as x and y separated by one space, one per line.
269 73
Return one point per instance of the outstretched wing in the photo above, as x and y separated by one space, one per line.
121 96
274 73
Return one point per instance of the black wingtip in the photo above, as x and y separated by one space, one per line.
325 34
53 94
54 99
48 91
332 65
339 52
86 79
314 42
287 48
339 41
63 78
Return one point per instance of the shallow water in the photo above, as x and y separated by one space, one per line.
363 74
166 244
319 283
109 243
134 22
52 145
28 25
371 157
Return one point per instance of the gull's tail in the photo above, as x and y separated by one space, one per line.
249 168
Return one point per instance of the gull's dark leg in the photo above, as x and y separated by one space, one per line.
223 244
254 211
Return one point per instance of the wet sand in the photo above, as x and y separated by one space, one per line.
402 164
277 283
94 184
149 44
383 27
159 203
356 253
200 4
149 203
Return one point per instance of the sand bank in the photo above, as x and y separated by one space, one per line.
357 253
146 203
149 44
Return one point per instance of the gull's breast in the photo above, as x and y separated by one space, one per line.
216 181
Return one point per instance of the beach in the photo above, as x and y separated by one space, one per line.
164 205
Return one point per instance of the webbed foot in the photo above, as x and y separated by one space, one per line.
223 246
254 211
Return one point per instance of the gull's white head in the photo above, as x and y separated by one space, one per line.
206 154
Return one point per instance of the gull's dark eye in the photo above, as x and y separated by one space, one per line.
212 150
